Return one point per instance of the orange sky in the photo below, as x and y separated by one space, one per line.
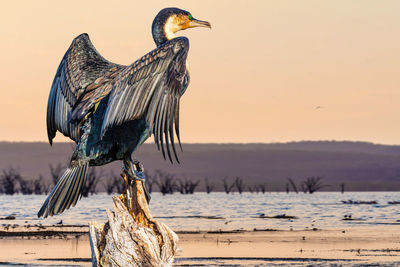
257 76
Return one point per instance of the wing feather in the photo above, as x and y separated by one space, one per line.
77 78
166 125
151 89
171 129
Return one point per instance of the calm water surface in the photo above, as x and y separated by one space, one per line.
234 211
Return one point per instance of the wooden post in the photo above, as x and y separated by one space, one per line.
131 237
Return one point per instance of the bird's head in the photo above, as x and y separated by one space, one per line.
170 20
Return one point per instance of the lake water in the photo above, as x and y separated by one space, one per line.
227 212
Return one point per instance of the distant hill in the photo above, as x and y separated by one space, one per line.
361 166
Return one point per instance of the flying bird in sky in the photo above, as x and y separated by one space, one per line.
109 110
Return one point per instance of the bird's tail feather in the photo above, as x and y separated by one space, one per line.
66 192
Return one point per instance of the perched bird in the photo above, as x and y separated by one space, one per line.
109 110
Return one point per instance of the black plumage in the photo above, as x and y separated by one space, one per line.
109 110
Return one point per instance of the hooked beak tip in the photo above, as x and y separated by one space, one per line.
199 23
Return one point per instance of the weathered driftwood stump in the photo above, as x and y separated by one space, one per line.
131 237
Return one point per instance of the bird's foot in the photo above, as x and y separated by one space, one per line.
134 171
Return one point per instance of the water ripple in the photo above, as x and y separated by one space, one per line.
190 212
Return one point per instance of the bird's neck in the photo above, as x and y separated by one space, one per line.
163 30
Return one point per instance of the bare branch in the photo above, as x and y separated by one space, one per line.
239 184
293 184
312 184
227 187
38 187
165 182
8 181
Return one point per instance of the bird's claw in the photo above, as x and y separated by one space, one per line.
134 171
134 175
138 175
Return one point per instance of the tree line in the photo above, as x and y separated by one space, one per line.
12 182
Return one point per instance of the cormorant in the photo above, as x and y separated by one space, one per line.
109 110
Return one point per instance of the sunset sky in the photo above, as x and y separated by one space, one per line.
268 71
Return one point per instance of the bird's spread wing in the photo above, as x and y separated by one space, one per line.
151 88
82 78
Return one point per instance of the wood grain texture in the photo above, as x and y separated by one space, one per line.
131 237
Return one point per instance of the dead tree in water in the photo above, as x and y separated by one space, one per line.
312 184
239 184
165 182
25 186
227 187
193 185
186 186
38 187
11 182
181 186
109 183
8 181
209 187
262 188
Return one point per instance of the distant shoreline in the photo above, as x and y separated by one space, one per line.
360 166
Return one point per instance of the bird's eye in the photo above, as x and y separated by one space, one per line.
190 17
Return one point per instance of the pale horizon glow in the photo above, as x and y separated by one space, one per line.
268 71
